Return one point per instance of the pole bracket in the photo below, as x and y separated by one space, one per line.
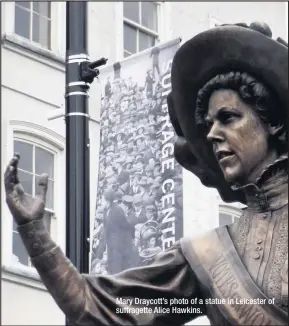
88 69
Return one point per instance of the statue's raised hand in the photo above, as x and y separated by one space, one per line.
23 206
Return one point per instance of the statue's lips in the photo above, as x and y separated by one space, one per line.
224 156
227 159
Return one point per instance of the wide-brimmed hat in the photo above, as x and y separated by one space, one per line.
140 126
149 229
142 137
215 51
127 199
137 199
120 132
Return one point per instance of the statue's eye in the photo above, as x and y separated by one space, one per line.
226 117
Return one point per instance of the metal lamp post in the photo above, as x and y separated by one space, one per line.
79 74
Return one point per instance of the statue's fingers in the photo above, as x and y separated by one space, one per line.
42 186
9 179
20 189
15 160
11 175
12 165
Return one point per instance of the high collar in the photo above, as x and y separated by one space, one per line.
271 189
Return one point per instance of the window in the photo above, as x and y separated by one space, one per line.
35 160
228 215
140 29
33 21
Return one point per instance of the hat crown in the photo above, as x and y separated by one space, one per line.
261 27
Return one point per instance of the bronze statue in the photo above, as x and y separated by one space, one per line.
229 106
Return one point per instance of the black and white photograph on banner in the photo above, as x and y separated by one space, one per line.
139 210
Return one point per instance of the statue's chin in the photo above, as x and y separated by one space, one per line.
236 182
233 172
234 178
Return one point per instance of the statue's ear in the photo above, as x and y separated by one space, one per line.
173 116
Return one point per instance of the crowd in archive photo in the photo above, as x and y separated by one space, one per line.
128 222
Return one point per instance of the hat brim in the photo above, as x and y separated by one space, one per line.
219 50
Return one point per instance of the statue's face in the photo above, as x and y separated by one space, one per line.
239 137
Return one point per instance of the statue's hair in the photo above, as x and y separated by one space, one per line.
253 93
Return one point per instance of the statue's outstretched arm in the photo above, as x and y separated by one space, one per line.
93 299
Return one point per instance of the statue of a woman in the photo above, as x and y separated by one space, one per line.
228 105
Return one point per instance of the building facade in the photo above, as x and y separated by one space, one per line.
33 79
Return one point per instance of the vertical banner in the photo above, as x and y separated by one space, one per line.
139 209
